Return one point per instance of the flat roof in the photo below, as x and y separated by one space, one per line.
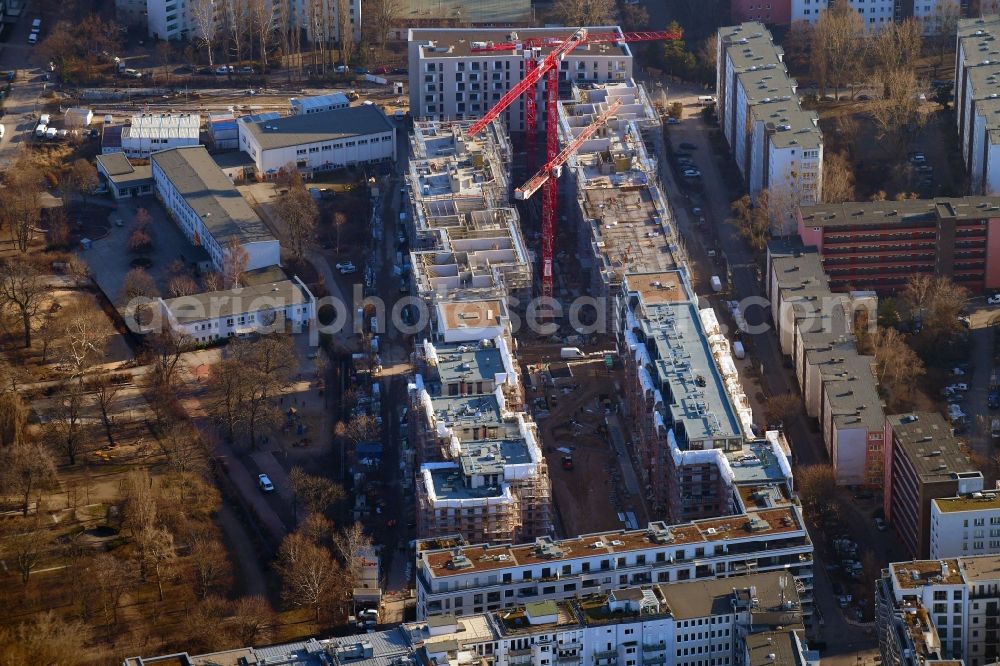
751 526
120 171
323 126
472 314
853 395
695 389
491 456
256 298
767 648
319 101
927 442
714 596
982 567
457 42
750 44
471 409
981 501
978 37
233 159
918 573
658 288
449 484
912 212
467 362
164 126
797 269
212 196
755 463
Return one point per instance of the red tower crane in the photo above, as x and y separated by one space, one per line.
534 71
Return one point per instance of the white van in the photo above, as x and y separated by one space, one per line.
570 352
33 38
36 26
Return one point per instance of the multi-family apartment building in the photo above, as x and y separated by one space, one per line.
692 428
209 209
815 327
180 20
482 473
965 525
939 610
777 146
457 578
623 219
924 460
749 620
977 112
467 250
448 80
879 245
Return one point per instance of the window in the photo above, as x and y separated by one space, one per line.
300 151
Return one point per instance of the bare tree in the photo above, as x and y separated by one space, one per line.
25 469
234 263
345 30
165 348
310 576
897 366
85 331
22 290
753 219
182 285
211 565
297 210
585 12
253 620
206 29
837 39
895 107
227 390
816 485
20 201
13 419
380 15
138 511
106 392
237 15
263 14
205 626
25 542
111 577
352 545
46 639
317 493
80 178
838 178
139 288
798 44
65 429
158 547
896 46
780 407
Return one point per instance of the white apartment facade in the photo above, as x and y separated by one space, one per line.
977 101
271 307
176 20
467 579
152 132
209 209
966 525
320 141
776 145
448 81
939 609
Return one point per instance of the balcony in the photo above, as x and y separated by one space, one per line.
658 659
655 647
609 655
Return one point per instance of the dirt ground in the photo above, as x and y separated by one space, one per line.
589 496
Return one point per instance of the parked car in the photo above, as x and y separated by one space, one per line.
44 119
346 267
246 70
959 386
686 145
994 299
400 70
672 121
917 157
361 71
222 70
925 168
206 70
993 399
265 483
381 70
881 525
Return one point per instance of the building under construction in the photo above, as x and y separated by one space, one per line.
693 431
467 242
620 212
481 473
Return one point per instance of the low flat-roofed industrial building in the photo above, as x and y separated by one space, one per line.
209 209
124 180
